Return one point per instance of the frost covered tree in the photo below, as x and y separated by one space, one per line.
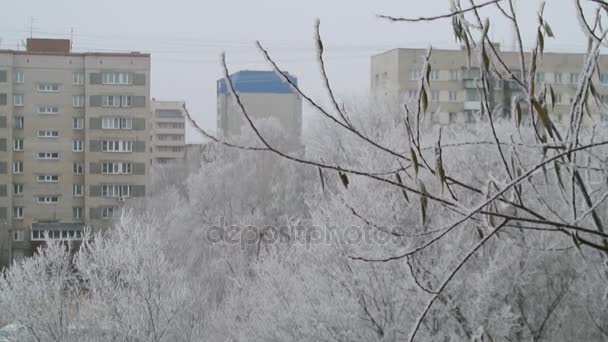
509 239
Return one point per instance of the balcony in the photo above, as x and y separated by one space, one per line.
472 105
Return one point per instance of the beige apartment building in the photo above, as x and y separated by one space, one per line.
168 132
454 96
73 135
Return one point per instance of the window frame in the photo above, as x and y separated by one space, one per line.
48 110
77 190
20 102
47 178
77 168
78 123
18 144
77 145
17 235
18 189
17 167
48 134
48 199
77 78
19 77
48 87
48 155
18 119
18 213
77 101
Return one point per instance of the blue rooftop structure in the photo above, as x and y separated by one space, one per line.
250 81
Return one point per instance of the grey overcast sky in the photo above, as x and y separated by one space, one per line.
185 37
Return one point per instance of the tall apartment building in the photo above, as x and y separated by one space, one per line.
264 95
168 132
395 76
73 133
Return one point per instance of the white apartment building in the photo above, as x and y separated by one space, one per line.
168 132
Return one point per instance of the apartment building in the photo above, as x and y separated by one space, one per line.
168 132
264 95
455 98
73 135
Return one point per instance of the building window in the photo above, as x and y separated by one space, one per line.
116 146
558 98
48 87
19 77
17 235
78 78
116 168
116 101
604 78
573 78
454 75
17 167
434 75
77 190
110 101
411 93
109 212
77 101
18 213
453 117
48 178
123 78
77 145
470 116
558 77
116 123
18 145
77 213
48 155
48 199
77 168
540 77
114 190
17 189
48 134
498 84
18 122
77 123
604 99
472 95
18 100
453 96
415 74
48 110
434 95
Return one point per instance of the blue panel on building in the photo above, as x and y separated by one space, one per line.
248 81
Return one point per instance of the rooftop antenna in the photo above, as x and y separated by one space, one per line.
32 21
71 38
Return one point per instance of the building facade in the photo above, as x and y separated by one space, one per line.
264 95
73 135
454 96
168 132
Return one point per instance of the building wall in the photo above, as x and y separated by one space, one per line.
42 68
168 132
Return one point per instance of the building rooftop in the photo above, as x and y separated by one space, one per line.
63 47
255 81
